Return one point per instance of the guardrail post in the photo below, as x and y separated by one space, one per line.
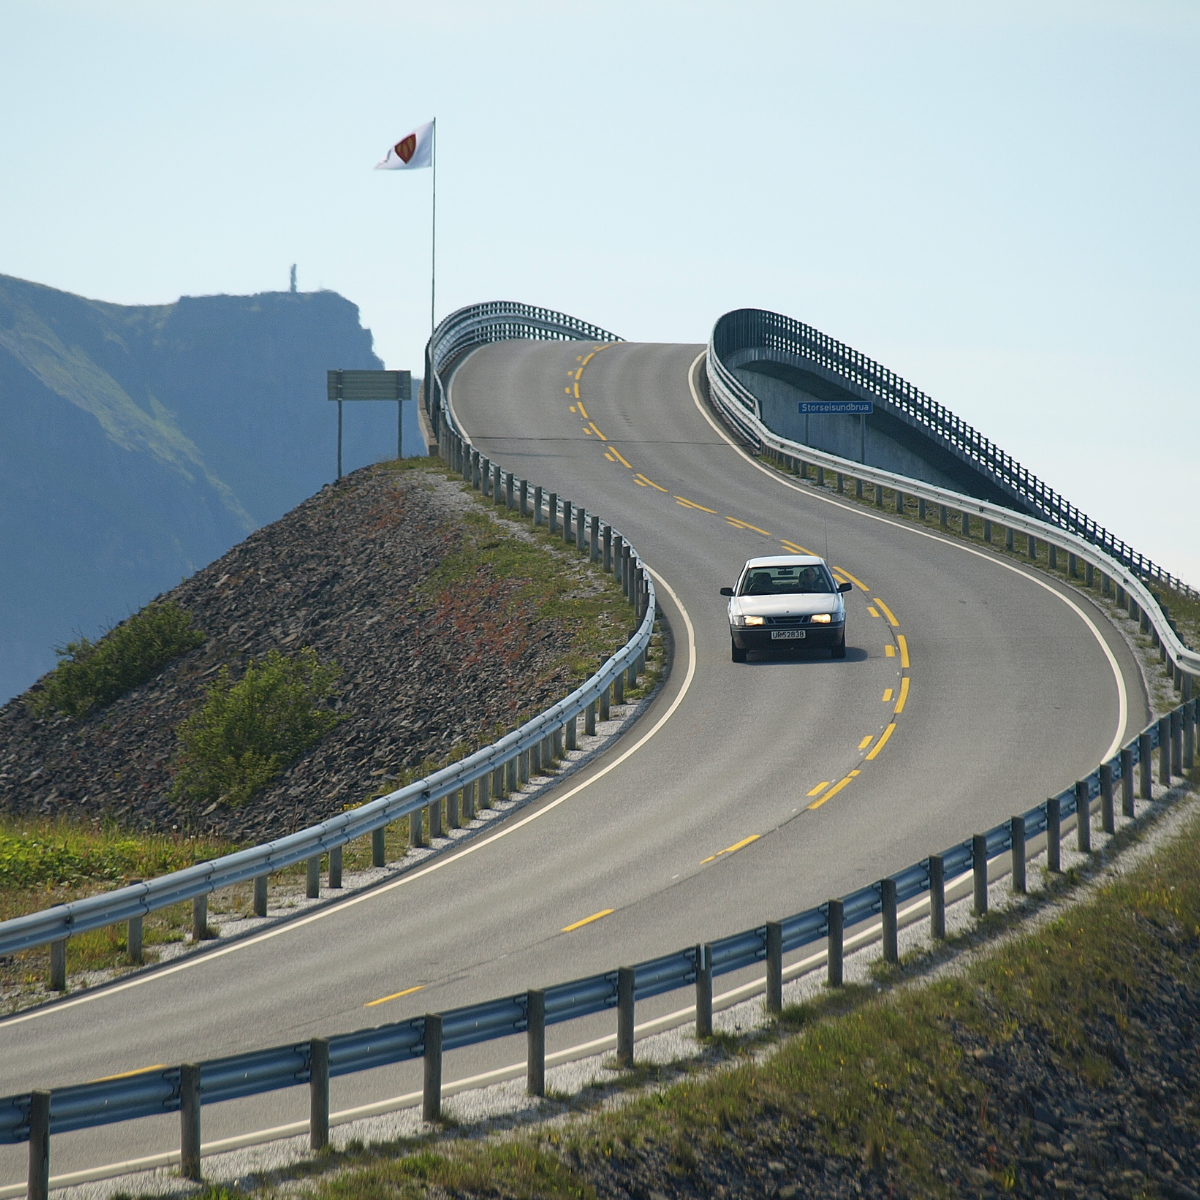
1127 782
435 820
836 944
318 1093
523 497
594 538
841 483
1089 575
1177 741
625 1017
899 501
537 505
335 867
1017 826
133 939
987 531
1107 817
589 719
1008 537
468 803
1072 565
820 476
604 709
1145 766
774 967
200 918
552 511
1164 751
39 1145
189 1121
704 991
312 889
920 509
858 489
1189 735
566 526
571 732
608 548
619 688
416 828
485 475
484 788
979 866
937 897
1052 556
431 1098
1083 817
452 811
508 490
379 853
504 778
966 523
1031 545
1053 836
260 895
580 529
944 516
1105 586
632 672
879 495
535 1042
616 557
887 909
535 759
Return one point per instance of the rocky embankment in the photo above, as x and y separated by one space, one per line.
422 671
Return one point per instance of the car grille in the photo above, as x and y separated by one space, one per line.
787 622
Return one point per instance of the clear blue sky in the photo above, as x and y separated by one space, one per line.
996 200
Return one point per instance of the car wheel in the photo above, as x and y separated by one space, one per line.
839 651
738 655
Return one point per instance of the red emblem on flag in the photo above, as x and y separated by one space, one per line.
406 148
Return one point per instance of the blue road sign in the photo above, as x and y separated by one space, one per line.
842 407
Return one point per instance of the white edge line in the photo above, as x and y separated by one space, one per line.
1122 698
410 876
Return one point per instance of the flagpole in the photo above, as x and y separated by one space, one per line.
433 236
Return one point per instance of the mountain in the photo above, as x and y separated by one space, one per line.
139 443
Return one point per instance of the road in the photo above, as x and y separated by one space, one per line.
765 787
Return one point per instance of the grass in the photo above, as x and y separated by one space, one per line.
90 675
246 732
864 1075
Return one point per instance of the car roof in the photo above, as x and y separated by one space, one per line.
784 560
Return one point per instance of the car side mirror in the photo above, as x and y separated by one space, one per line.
845 587
727 591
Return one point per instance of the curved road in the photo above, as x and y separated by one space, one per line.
993 685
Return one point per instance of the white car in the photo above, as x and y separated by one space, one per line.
788 600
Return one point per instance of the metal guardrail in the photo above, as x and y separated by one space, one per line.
740 408
788 340
469 327
34 1117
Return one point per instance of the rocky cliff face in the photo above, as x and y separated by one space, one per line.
138 444
421 673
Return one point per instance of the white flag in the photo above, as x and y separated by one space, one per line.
410 152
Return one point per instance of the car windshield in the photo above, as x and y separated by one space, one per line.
785 581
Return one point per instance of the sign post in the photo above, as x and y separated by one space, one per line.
370 385
860 408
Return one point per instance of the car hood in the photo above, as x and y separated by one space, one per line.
799 605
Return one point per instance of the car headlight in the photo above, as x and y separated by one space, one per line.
820 618
753 620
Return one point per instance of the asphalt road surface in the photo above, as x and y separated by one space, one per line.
762 787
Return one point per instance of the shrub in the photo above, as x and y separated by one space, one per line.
247 732
90 675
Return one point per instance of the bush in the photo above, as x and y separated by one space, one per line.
92 674
248 731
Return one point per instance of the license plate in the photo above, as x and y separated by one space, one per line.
782 635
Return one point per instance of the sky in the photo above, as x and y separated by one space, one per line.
997 201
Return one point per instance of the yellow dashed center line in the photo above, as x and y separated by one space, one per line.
890 651
833 791
887 695
793 547
604 912
582 411
902 642
130 1074
689 504
903 695
852 579
819 788
746 525
883 739
576 389
617 452
644 480
863 744
731 849
596 431
887 612
872 611
393 996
